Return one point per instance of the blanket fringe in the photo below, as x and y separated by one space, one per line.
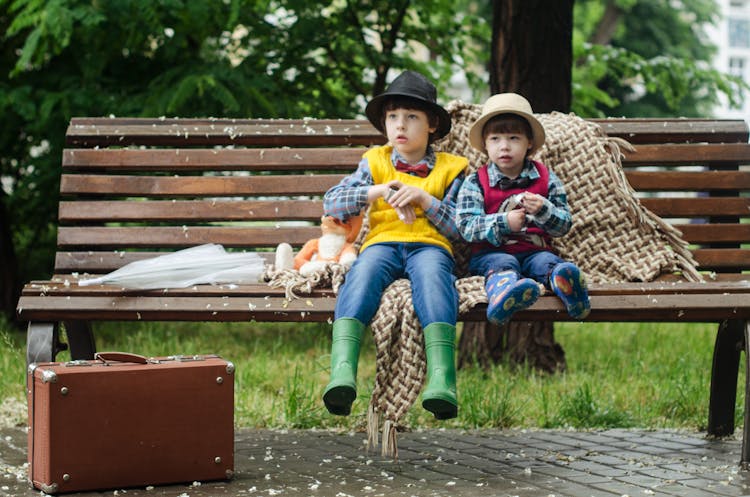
373 422
389 437
293 283
390 441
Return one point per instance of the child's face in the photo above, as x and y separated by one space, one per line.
508 151
409 131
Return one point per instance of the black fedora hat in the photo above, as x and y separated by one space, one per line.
413 85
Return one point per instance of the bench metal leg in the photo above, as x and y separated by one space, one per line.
80 340
730 340
42 342
745 461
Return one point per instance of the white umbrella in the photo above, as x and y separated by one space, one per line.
208 263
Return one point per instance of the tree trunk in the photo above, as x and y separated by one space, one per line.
522 342
531 55
532 51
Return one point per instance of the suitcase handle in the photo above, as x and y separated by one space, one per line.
120 357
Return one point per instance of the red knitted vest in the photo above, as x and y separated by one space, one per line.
494 198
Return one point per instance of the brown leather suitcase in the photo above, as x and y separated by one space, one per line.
123 420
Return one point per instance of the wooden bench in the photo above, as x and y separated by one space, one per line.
133 188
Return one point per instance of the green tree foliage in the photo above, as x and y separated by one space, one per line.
646 58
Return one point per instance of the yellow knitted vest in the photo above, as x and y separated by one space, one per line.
385 226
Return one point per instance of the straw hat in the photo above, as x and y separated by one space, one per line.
506 103
412 85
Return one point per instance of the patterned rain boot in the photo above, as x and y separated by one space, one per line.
439 397
342 389
568 283
506 294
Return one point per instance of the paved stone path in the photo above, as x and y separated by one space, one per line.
450 463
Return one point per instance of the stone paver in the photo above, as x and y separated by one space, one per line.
435 463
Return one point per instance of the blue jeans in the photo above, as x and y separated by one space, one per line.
428 268
536 265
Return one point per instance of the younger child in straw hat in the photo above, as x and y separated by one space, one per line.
510 209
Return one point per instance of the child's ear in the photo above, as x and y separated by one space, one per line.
434 122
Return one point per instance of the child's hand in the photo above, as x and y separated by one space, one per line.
406 214
532 202
407 196
516 219
377 191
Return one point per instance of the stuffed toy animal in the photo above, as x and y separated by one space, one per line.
335 245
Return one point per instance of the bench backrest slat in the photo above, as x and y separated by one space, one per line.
715 233
184 160
92 211
181 186
722 260
116 238
70 261
730 181
697 206
676 130
92 132
238 132
726 154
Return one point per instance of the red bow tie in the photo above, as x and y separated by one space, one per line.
420 170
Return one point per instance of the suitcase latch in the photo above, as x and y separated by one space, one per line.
185 358
77 363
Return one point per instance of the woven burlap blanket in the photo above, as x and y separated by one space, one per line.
613 239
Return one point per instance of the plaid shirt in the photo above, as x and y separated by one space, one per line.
477 226
349 197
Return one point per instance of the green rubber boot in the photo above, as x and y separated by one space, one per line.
342 389
440 347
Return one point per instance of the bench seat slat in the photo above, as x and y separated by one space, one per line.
66 284
167 308
205 186
669 307
186 210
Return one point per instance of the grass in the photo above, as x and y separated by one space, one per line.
618 375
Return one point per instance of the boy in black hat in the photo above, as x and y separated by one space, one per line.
411 191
